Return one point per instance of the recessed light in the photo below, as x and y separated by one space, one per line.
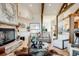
30 5
50 4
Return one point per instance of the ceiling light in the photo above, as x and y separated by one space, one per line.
30 5
50 4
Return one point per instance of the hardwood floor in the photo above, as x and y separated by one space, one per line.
61 52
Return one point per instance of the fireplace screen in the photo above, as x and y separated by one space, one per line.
6 36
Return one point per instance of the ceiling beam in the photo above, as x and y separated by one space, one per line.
77 11
42 11
65 7
61 8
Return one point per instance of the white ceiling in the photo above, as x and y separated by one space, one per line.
52 8
51 11
33 10
30 10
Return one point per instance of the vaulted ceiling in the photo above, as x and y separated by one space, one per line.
52 8
33 10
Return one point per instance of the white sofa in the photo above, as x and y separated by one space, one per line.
62 41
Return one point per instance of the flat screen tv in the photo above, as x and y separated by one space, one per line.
6 36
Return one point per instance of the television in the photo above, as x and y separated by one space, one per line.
6 36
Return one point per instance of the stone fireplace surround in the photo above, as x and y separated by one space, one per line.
10 47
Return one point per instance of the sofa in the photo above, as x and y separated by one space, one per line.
62 41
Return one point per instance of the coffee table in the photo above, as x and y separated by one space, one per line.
38 52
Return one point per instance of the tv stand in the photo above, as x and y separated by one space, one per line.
10 47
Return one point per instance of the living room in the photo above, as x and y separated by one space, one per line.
39 29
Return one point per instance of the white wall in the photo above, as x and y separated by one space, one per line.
24 12
26 17
48 21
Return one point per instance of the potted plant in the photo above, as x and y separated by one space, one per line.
28 28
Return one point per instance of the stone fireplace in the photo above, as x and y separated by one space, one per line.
6 35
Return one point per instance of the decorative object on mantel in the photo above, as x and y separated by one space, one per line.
22 25
18 25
